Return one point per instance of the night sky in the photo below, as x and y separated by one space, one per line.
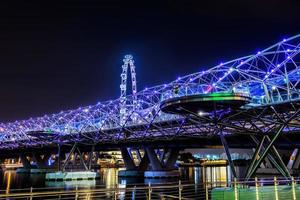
65 54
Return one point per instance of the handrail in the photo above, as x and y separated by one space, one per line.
179 190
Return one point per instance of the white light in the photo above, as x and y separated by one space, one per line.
258 52
201 113
273 87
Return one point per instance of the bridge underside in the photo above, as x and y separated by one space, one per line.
285 141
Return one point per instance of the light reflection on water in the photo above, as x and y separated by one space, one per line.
109 179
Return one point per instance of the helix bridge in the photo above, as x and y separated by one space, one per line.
258 94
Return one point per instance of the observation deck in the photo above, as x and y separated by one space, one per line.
205 103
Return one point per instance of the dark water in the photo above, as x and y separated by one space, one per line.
109 179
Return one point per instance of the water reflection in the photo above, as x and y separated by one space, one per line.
11 180
109 179
71 184
216 176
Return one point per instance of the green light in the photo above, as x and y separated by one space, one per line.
223 96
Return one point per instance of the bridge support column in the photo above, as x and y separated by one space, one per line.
63 175
172 158
138 155
25 162
60 157
128 161
151 165
131 169
160 167
40 163
293 157
268 151
297 161
155 163
90 159
226 148
26 165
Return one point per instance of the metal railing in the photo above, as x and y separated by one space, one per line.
252 189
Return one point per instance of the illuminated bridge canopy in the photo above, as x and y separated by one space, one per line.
268 77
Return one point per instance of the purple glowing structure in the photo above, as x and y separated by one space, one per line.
270 78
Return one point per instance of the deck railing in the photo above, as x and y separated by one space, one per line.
257 189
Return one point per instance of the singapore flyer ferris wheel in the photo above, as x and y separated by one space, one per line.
128 62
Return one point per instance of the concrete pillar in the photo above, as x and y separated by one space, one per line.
25 162
39 161
154 161
129 164
138 155
172 158
144 164
163 155
46 157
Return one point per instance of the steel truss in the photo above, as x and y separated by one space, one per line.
270 77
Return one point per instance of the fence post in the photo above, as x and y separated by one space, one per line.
256 189
235 189
179 189
31 189
133 193
206 190
149 191
275 188
293 188
76 193
116 192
